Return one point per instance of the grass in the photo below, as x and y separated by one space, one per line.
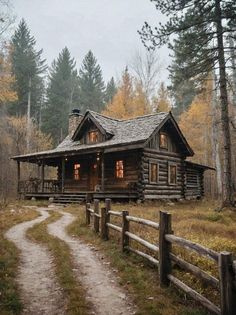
196 221
11 215
73 291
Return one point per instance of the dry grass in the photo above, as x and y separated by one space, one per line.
195 220
10 215
74 292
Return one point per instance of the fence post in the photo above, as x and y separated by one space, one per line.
125 228
104 227
164 248
108 208
95 218
87 213
226 283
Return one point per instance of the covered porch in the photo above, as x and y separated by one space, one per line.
81 176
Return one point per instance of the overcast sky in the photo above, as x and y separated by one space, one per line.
107 27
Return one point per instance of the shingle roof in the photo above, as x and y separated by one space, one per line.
123 132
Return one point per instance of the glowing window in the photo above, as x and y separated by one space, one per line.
172 174
153 173
93 136
120 169
163 141
77 171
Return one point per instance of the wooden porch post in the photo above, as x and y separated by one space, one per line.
62 174
102 171
18 177
42 176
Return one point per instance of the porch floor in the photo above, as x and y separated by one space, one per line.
83 196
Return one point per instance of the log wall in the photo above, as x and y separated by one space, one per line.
162 189
194 186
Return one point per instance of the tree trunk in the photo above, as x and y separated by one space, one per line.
28 117
215 139
227 191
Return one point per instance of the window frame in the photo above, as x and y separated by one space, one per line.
75 170
117 169
91 132
167 144
150 172
169 174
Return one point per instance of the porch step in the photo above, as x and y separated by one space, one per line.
69 199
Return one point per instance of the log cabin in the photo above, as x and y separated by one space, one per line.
143 158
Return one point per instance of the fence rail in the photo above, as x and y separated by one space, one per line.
163 257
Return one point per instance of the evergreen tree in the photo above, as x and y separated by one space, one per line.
92 88
27 66
110 90
182 89
62 96
203 27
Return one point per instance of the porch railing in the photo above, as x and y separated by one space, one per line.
34 185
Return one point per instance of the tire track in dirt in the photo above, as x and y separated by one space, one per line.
40 292
106 296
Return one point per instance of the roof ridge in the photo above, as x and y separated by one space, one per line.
144 116
116 119
133 118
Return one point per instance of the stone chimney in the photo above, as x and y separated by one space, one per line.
74 120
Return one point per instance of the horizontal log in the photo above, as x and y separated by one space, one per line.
195 295
114 227
90 210
166 153
195 270
152 260
142 241
209 253
115 213
143 221
96 215
162 196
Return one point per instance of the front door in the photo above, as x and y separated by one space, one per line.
93 176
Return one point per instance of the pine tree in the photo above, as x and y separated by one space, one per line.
182 89
62 96
27 66
92 88
111 90
203 27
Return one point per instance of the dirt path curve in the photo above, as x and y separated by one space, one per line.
102 289
41 294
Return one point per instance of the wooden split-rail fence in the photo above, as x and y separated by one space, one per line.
163 255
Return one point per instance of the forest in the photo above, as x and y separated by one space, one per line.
36 98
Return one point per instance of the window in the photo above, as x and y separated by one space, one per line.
77 171
172 174
153 173
163 141
93 137
120 169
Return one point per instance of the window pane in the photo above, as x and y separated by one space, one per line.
76 171
154 173
120 169
173 174
93 136
163 141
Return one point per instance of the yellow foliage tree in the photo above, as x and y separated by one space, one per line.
161 102
7 94
129 101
